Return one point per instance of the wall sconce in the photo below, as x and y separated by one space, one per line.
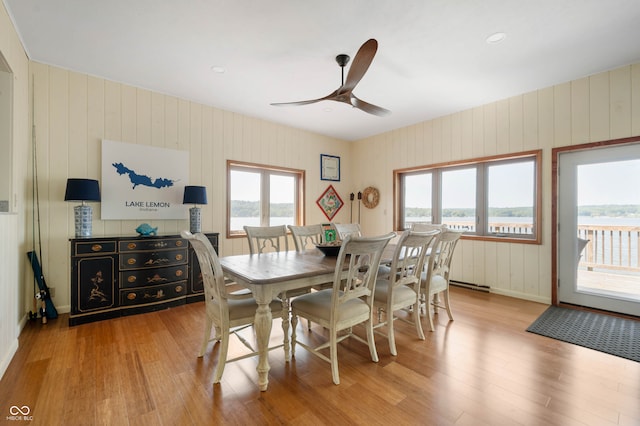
194 195
82 190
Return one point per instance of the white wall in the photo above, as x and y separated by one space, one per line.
12 237
600 107
9 329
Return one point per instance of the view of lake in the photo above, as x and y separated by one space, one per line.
238 222
628 242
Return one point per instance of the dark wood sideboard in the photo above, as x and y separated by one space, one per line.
115 276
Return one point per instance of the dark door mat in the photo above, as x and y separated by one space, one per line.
604 333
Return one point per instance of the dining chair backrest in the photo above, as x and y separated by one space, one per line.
263 239
306 236
345 229
362 254
215 292
409 257
442 253
427 226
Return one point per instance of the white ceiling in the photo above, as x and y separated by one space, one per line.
432 55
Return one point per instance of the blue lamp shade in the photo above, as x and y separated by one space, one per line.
195 195
82 190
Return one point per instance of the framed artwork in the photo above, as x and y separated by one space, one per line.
330 202
329 167
143 182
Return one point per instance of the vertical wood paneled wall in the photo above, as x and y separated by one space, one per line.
74 112
600 107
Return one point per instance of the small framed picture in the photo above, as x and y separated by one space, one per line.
329 167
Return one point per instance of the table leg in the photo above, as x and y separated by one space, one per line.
262 325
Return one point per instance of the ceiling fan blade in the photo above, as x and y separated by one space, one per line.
367 107
360 65
312 101
330 96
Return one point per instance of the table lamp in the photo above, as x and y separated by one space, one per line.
194 195
82 190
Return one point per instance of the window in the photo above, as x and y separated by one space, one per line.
260 195
459 198
495 198
418 198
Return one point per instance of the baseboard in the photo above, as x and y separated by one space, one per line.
523 296
471 286
502 292
7 357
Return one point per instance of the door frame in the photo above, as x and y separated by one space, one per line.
555 158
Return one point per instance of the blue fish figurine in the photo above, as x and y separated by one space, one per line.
145 230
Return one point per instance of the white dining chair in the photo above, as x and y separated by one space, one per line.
401 289
435 278
348 303
263 239
227 313
305 237
345 229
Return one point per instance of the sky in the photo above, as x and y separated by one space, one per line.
458 191
246 187
609 183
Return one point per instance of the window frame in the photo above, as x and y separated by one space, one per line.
266 171
481 232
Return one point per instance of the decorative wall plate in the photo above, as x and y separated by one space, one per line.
330 202
370 197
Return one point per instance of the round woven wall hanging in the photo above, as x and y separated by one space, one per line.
370 197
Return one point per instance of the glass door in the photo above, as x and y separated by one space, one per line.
599 228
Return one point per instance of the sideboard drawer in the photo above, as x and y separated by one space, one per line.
153 259
80 248
146 277
153 294
152 243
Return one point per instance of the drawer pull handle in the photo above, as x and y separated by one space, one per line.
96 247
131 246
131 261
132 278
131 296
179 273
178 289
178 257
179 243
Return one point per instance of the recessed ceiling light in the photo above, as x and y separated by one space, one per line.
496 38
217 69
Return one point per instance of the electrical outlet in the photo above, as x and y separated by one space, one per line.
52 292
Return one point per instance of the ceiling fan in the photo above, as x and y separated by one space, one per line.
344 93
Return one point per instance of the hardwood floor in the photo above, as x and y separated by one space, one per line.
481 369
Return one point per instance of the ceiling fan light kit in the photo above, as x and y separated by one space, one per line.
344 93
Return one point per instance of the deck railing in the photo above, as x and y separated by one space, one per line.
610 247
